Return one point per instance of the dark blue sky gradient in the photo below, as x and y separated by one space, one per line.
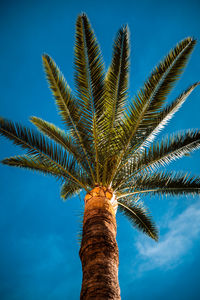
38 231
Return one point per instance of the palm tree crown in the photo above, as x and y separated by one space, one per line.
109 138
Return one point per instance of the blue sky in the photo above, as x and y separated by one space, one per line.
38 231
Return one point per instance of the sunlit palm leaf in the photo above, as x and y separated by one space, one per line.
147 104
36 164
162 183
68 108
139 217
89 70
62 138
117 79
116 85
158 155
89 79
65 101
37 145
151 97
165 116
170 148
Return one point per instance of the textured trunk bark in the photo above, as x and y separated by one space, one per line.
99 250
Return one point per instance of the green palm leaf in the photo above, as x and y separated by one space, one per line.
170 148
116 85
163 183
139 217
68 108
65 101
152 96
89 71
165 116
162 119
60 137
158 155
117 79
146 106
38 146
89 79
35 163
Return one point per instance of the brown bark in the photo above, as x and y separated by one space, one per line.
99 250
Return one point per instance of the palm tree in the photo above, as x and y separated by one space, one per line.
107 148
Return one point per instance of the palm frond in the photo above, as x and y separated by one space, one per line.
116 85
38 146
170 148
68 107
163 183
146 106
117 78
89 79
66 102
158 155
151 97
139 217
34 163
62 138
165 116
89 70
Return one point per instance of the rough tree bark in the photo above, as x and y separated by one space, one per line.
99 251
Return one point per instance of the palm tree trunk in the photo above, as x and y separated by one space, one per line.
99 250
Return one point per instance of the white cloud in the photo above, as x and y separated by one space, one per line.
170 250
